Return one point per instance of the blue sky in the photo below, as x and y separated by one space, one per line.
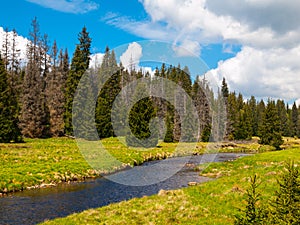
63 24
254 44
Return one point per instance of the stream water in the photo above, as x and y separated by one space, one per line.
34 206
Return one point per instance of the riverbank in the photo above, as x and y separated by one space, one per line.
46 162
214 202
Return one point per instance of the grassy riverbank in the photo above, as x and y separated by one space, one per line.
43 162
215 202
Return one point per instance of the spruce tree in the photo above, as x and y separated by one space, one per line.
260 110
34 118
225 118
79 64
144 130
243 127
254 213
283 118
55 92
169 123
200 93
270 128
294 120
109 73
287 199
9 130
253 115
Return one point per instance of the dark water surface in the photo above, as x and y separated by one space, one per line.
34 206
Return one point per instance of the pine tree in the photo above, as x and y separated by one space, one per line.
11 58
227 123
253 120
144 132
34 118
109 73
270 129
9 130
287 199
243 129
6 49
283 118
201 100
79 64
55 92
294 120
169 123
253 213
260 110
233 113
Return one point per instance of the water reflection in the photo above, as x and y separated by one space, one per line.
34 206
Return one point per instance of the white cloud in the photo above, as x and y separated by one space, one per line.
263 73
21 43
267 30
131 57
187 48
96 60
145 29
68 6
263 24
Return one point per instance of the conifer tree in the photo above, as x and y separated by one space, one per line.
295 120
109 72
9 130
34 118
55 92
287 199
253 115
243 129
169 123
283 118
79 64
224 124
6 49
270 129
201 102
144 132
254 213
260 109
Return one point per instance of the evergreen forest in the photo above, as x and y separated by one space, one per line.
36 99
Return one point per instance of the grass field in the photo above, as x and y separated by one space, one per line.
43 162
215 202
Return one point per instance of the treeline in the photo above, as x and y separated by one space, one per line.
269 121
37 100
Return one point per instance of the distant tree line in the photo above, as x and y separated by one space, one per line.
36 99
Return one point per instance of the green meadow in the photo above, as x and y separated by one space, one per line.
43 162
214 202
46 162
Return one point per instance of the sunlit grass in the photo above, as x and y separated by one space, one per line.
214 202
50 161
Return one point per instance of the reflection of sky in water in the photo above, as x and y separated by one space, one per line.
31 207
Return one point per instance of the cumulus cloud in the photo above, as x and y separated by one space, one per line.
131 57
21 43
68 6
96 60
280 16
267 30
187 48
263 24
263 73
